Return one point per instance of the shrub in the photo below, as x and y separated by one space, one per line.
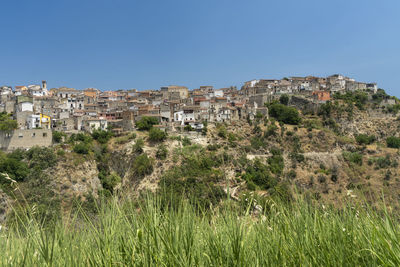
259 174
110 181
188 128
138 146
186 141
7 124
276 162
81 148
284 99
146 123
157 135
393 142
284 114
58 136
271 130
132 136
162 152
195 179
142 165
222 132
364 139
15 168
41 157
257 143
102 136
353 157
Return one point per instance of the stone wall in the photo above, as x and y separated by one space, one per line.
25 139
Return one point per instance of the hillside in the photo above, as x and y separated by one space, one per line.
329 155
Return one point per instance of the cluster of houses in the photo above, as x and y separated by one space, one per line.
39 110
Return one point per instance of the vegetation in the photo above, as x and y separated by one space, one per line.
353 157
58 136
296 234
102 136
364 139
195 178
162 152
393 142
284 99
7 124
146 123
138 146
284 114
142 165
82 148
157 135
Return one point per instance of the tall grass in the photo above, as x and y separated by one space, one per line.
127 234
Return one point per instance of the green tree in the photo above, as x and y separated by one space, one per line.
146 123
284 99
157 135
6 123
285 114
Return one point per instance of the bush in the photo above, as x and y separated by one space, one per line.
58 136
353 157
15 168
259 174
142 165
188 128
81 148
7 124
41 157
110 181
284 114
276 162
222 132
102 136
271 130
257 143
146 123
186 141
162 152
138 146
195 179
364 139
393 142
284 99
156 135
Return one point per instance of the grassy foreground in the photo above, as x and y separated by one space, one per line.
148 235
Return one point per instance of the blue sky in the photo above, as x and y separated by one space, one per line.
121 44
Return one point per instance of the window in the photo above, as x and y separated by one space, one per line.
33 134
20 135
44 134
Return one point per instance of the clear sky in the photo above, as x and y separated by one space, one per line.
122 44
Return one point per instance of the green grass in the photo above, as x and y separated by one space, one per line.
126 233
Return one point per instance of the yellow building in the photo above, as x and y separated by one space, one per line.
45 121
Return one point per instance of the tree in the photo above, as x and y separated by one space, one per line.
284 99
156 135
6 123
58 136
284 114
146 123
102 136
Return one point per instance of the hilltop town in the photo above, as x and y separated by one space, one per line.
39 111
